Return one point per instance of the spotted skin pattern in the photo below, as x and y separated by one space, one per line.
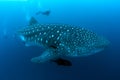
63 40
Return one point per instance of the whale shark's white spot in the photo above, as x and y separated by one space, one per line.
60 27
68 30
39 33
46 41
52 35
55 42
42 28
41 39
60 34
48 27
35 35
33 31
44 33
49 36
26 33
31 38
37 29
29 32
38 39
58 31
58 38
52 29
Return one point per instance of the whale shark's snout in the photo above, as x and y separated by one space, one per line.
22 38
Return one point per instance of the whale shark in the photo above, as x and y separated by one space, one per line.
62 40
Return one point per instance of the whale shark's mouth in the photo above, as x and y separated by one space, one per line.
27 42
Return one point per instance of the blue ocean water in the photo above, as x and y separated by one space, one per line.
101 16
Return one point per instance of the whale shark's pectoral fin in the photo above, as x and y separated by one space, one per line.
62 62
46 56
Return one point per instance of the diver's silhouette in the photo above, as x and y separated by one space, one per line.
47 13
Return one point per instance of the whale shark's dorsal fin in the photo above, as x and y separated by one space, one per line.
33 21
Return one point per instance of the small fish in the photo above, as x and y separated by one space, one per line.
61 40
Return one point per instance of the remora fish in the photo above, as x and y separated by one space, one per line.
61 40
